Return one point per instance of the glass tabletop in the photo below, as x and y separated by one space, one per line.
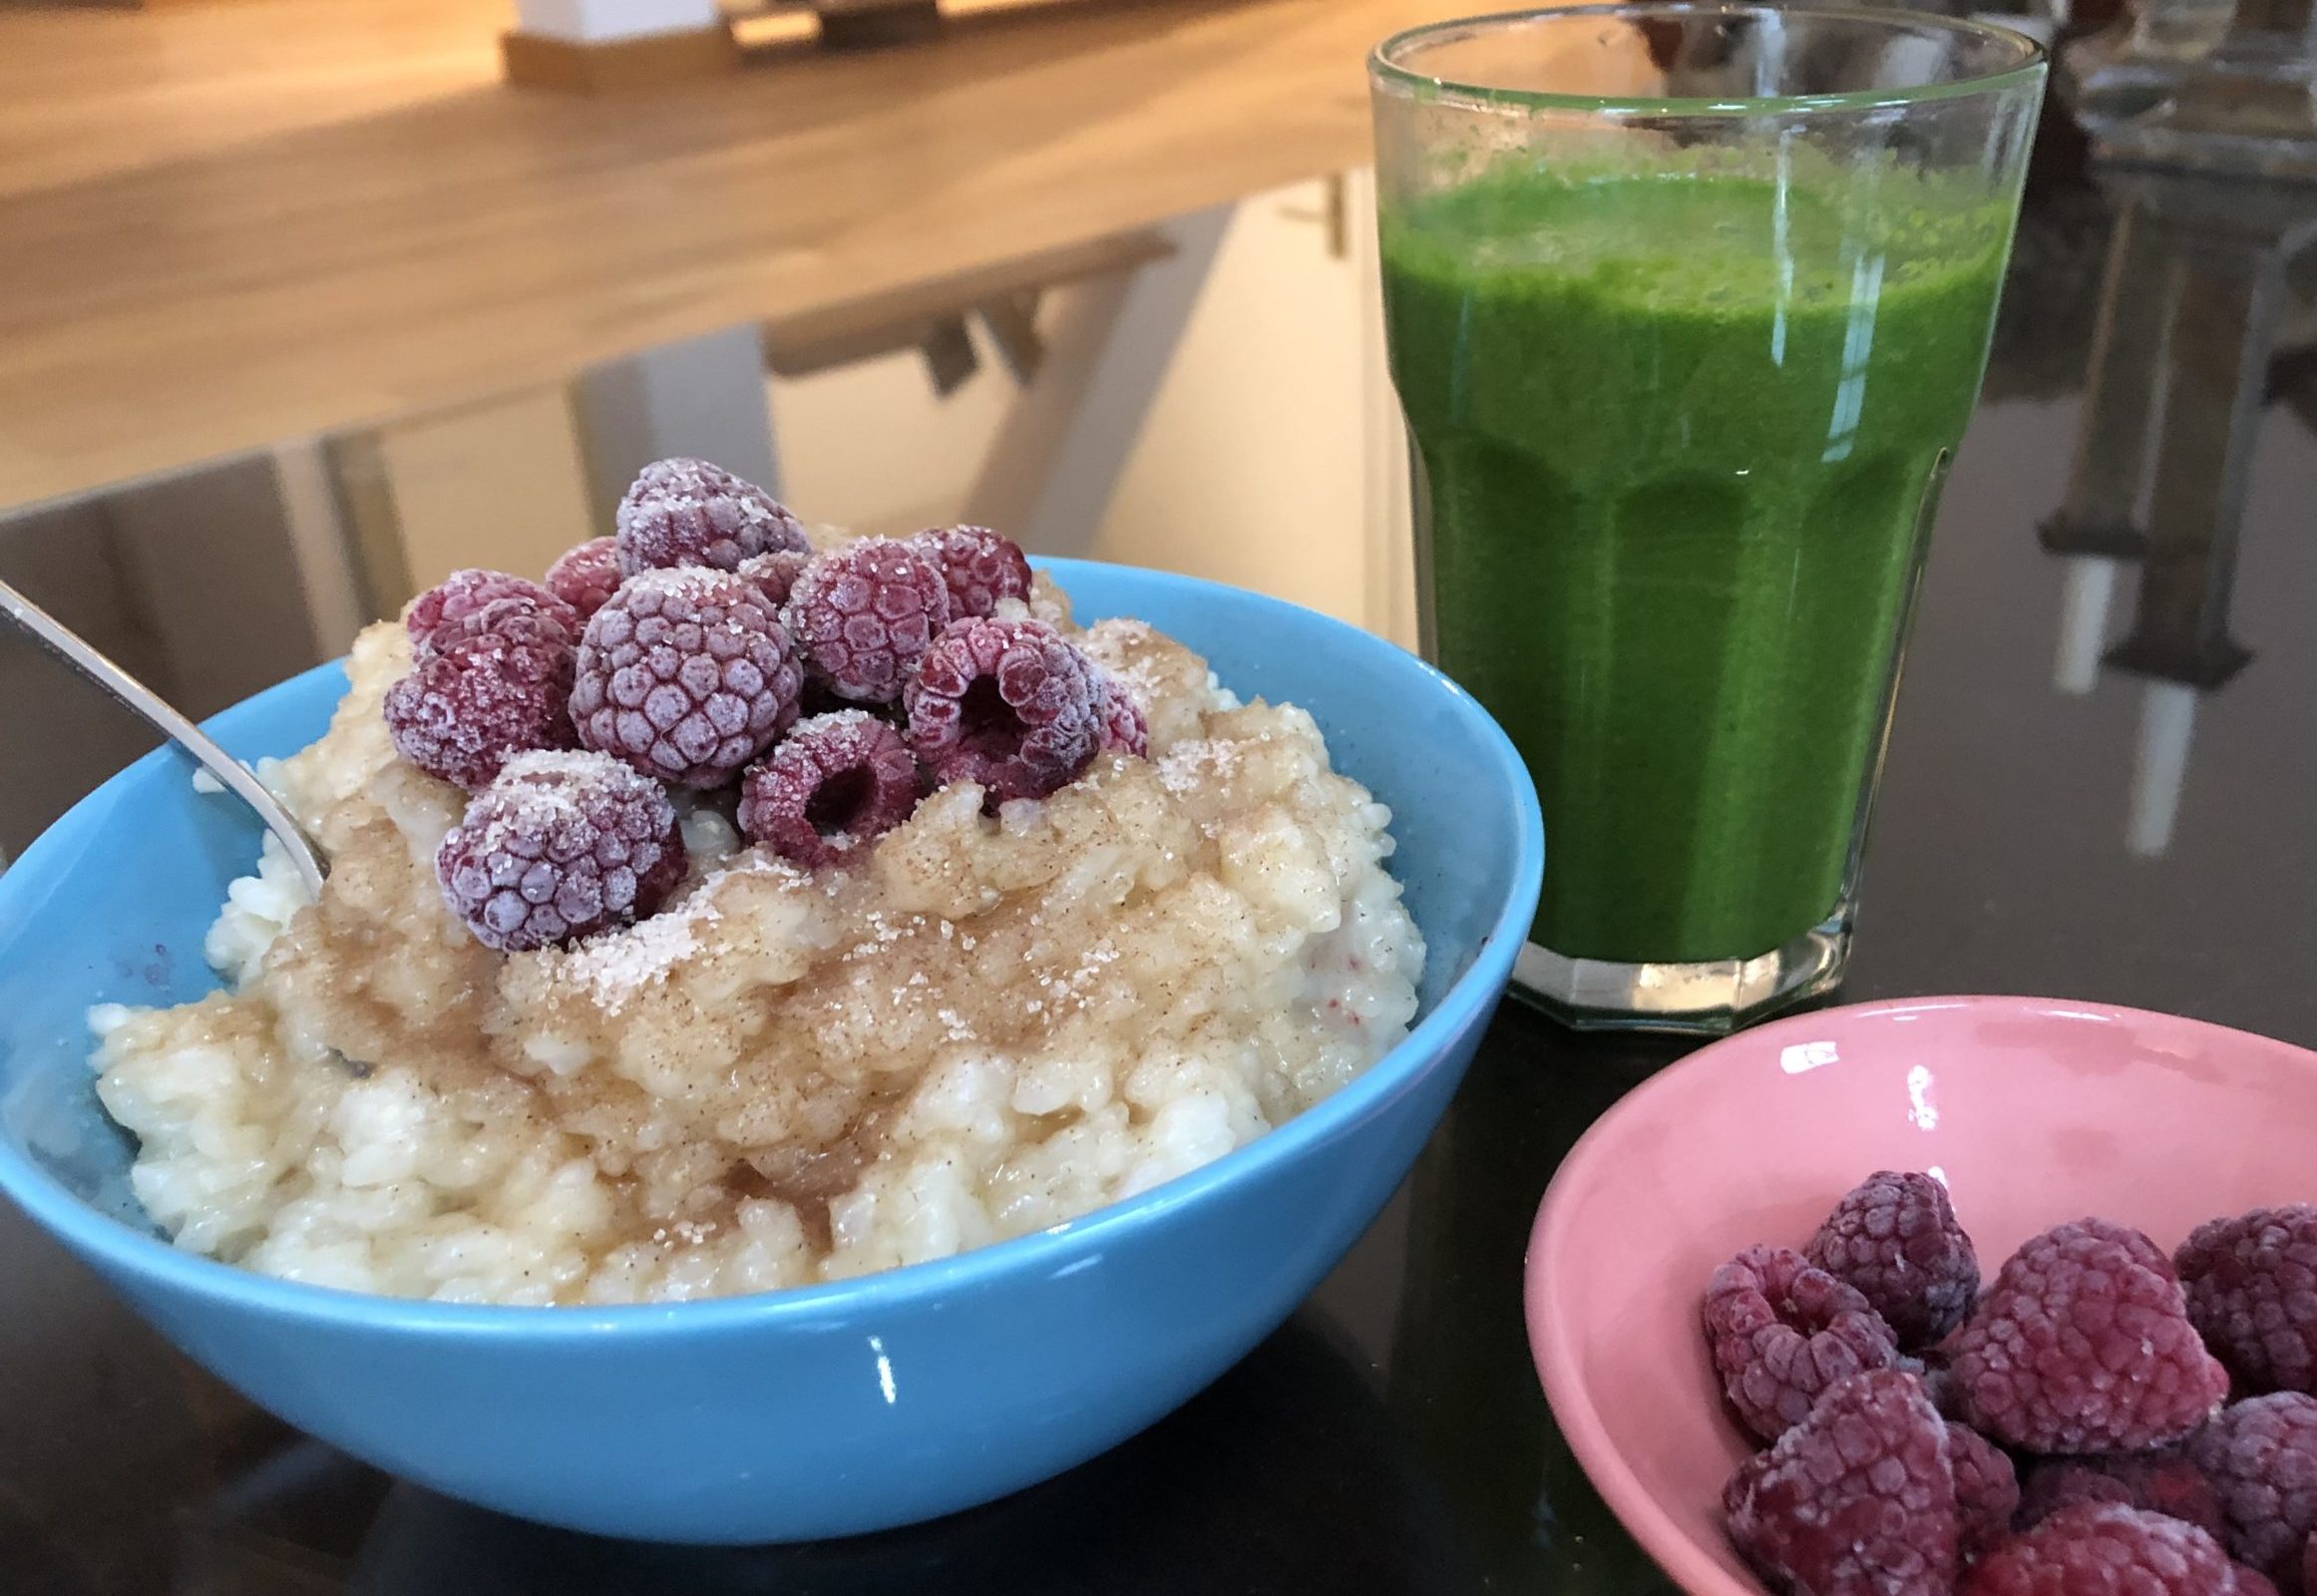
2092 792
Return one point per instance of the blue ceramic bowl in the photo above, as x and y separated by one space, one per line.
828 1409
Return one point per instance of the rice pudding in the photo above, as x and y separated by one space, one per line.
991 1016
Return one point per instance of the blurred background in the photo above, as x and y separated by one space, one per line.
304 304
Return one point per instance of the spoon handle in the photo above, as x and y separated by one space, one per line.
76 651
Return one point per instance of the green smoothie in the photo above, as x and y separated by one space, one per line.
1678 439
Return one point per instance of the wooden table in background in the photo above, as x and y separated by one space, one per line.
222 226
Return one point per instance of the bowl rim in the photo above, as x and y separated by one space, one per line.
1551 1342
119 1247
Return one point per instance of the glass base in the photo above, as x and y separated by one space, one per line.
1711 998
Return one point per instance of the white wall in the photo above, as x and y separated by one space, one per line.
592 21
1250 468
871 445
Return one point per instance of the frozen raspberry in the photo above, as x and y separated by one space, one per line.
1896 1240
2157 1482
2251 1284
835 782
1858 1499
1987 1488
465 591
2261 1458
2103 1549
691 513
1781 1332
1010 704
2082 1345
519 618
864 614
686 674
585 578
462 712
978 567
775 574
560 846
1123 726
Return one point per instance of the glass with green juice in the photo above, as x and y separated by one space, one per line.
1686 307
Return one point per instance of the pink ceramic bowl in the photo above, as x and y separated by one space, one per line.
2032 1110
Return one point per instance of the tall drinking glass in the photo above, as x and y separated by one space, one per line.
1688 306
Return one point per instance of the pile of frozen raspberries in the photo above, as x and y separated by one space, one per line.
2067 1431
706 647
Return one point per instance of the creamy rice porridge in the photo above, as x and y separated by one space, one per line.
979 1025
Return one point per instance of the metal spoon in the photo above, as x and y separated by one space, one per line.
77 652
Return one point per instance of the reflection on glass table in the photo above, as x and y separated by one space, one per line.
2199 294
2204 86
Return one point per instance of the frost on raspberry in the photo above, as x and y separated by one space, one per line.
1009 705
1895 1238
465 710
2082 1345
864 614
2103 1549
1987 1488
463 592
977 565
2262 1459
1857 1499
560 846
683 512
2251 1284
1124 729
587 576
516 618
835 783
686 674
1783 1330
